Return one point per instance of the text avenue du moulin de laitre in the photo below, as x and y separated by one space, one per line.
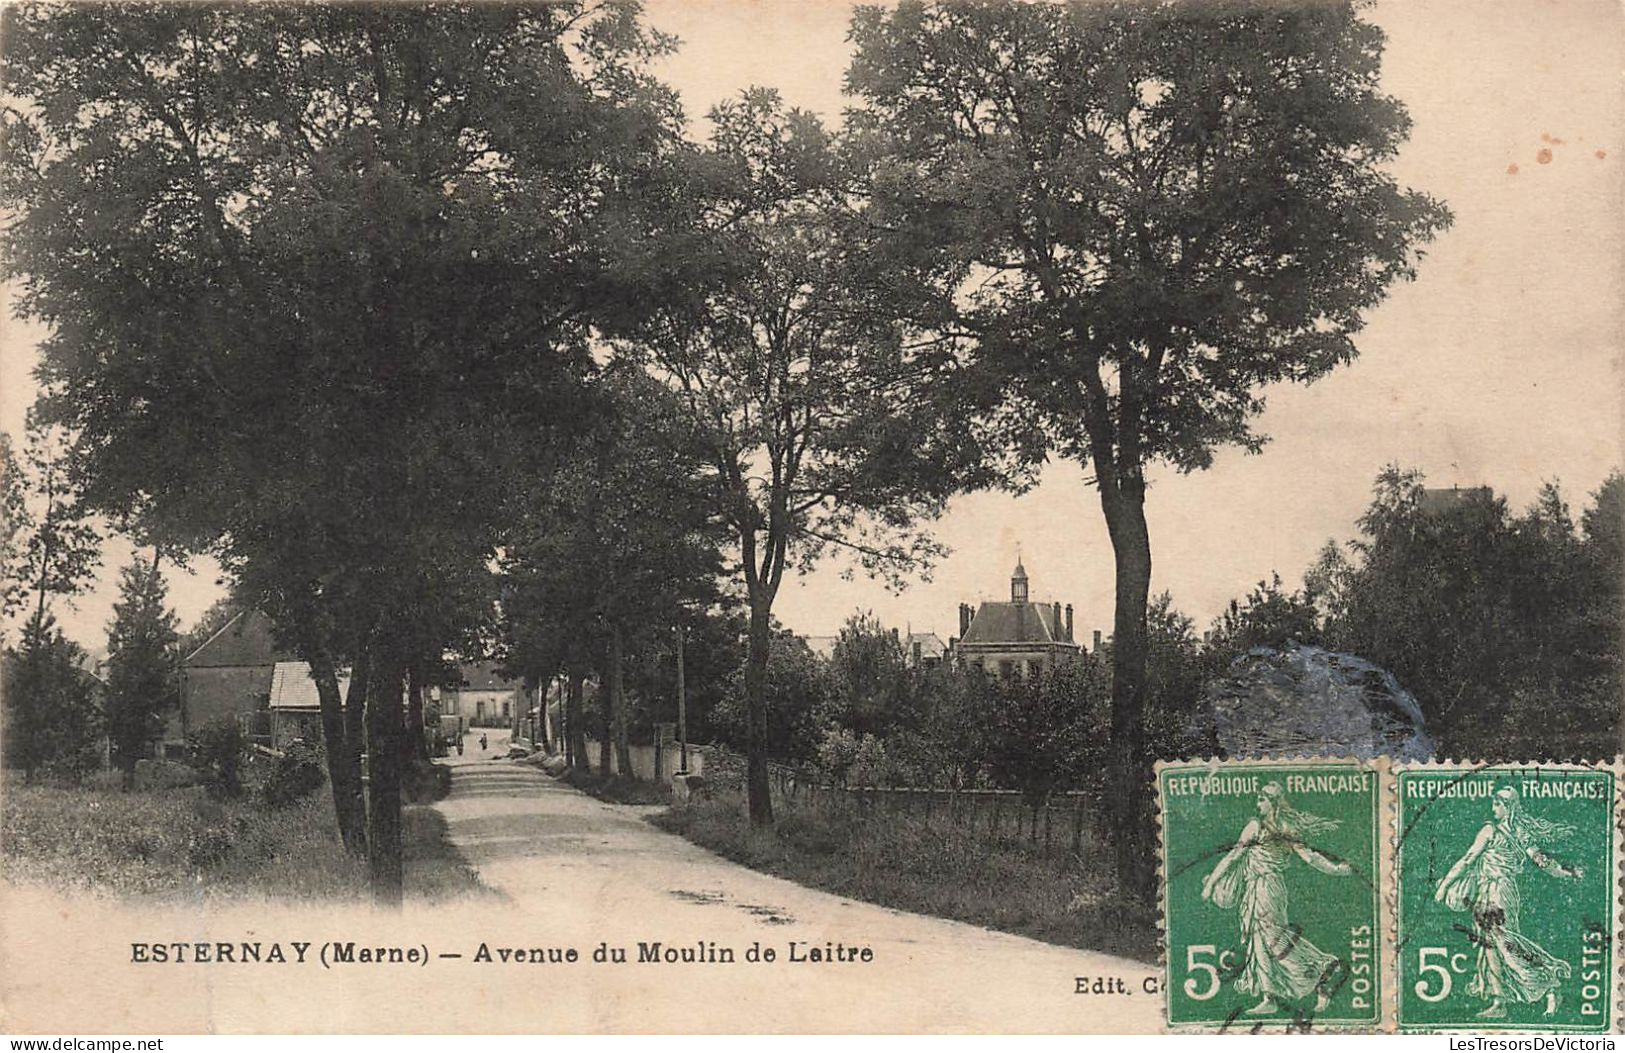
341 953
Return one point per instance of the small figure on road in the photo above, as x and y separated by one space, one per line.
484 743
459 745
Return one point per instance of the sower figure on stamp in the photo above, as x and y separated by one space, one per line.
1280 963
1484 881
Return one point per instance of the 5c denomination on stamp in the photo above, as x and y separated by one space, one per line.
1270 893
1507 897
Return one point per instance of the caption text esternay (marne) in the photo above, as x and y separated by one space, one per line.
338 953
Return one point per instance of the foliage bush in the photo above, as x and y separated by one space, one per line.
298 773
157 775
424 782
215 752
854 760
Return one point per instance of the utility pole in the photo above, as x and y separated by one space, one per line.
682 709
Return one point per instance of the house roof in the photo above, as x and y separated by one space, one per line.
293 688
1001 623
483 676
931 645
246 640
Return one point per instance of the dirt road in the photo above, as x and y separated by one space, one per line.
581 873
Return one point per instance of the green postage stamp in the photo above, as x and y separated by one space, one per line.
1507 897
1271 893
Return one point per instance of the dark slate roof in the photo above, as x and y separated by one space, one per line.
997 623
246 640
483 676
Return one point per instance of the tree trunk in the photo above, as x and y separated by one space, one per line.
757 792
617 702
606 719
1129 769
544 738
384 724
355 740
417 745
343 766
575 723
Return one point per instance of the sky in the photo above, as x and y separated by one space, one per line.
1499 365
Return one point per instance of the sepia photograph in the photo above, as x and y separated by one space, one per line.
690 517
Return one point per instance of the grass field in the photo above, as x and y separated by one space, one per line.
178 841
906 862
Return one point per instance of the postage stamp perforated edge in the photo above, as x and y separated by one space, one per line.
1382 859
1615 985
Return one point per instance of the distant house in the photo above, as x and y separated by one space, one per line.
484 696
923 650
228 677
1019 638
294 710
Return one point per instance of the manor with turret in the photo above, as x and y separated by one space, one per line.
1020 638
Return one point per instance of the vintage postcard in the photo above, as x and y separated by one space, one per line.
797 516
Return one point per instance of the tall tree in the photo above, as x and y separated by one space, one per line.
871 687
824 427
313 275
618 546
141 665
52 547
1603 529
1142 212
13 534
51 718
1486 616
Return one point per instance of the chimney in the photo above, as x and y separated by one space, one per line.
895 638
1069 621
1055 621
964 619
1097 639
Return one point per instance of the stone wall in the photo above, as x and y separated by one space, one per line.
652 763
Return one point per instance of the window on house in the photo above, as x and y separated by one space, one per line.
1007 669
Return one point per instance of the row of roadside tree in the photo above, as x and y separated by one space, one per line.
390 307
